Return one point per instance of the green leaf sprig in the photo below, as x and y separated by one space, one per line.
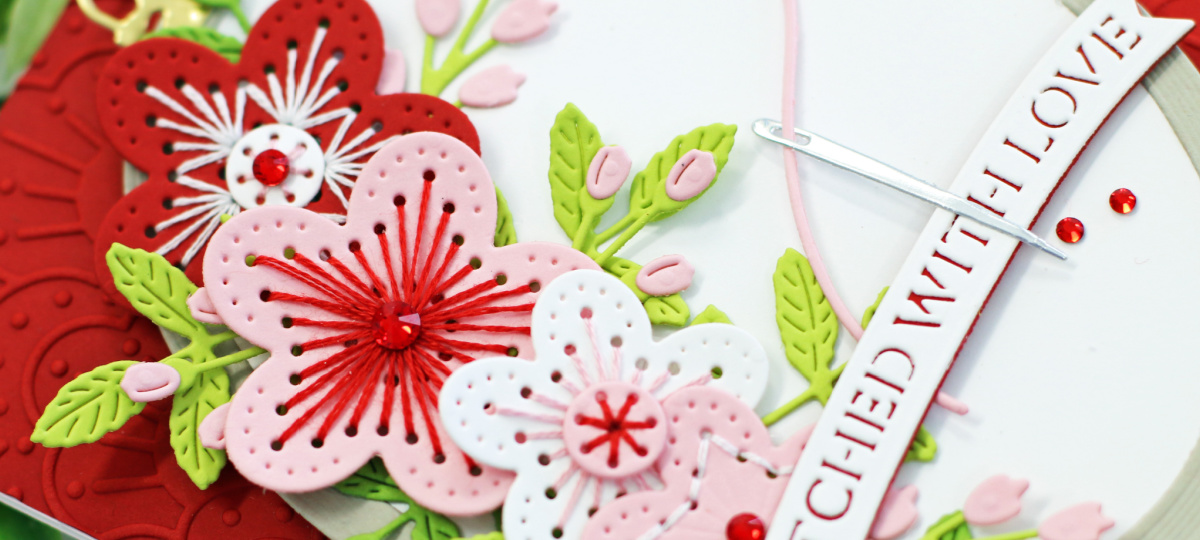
93 404
372 482
574 143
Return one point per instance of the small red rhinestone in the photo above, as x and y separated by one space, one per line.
1122 201
396 325
271 167
1070 230
745 527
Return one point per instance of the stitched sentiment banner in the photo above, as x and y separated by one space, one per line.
889 382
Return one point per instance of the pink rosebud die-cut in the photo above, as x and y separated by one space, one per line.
691 175
995 500
523 20
364 321
492 87
201 307
607 172
392 74
1080 522
665 276
437 17
212 428
897 513
150 381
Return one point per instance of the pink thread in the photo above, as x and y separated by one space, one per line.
791 48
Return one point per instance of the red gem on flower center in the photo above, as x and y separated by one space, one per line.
271 167
396 325
745 527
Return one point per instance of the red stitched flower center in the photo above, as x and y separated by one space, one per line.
396 325
271 167
616 427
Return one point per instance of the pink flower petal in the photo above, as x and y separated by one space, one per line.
212 428
392 74
1080 522
665 276
732 484
522 20
312 292
608 171
201 307
691 175
897 513
150 381
995 500
492 87
437 17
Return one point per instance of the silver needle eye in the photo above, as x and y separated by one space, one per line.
839 156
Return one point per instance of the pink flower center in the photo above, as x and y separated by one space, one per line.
271 167
614 429
396 325
745 527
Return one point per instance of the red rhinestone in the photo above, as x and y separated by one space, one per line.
396 325
745 527
271 167
1070 230
1122 201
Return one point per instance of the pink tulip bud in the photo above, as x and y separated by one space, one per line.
897 514
1080 522
202 309
665 276
212 428
609 169
691 175
995 500
952 404
492 87
150 381
392 74
437 17
522 20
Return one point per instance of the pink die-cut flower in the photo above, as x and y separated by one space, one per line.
585 421
897 513
437 17
738 474
995 500
523 20
150 381
492 87
1080 522
363 323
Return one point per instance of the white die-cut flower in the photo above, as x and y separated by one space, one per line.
583 422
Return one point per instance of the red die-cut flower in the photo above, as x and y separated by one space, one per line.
291 124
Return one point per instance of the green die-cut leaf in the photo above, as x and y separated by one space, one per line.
232 5
648 193
191 405
923 448
227 47
952 526
711 315
372 482
87 408
806 322
626 271
669 310
870 312
506 231
574 141
155 288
